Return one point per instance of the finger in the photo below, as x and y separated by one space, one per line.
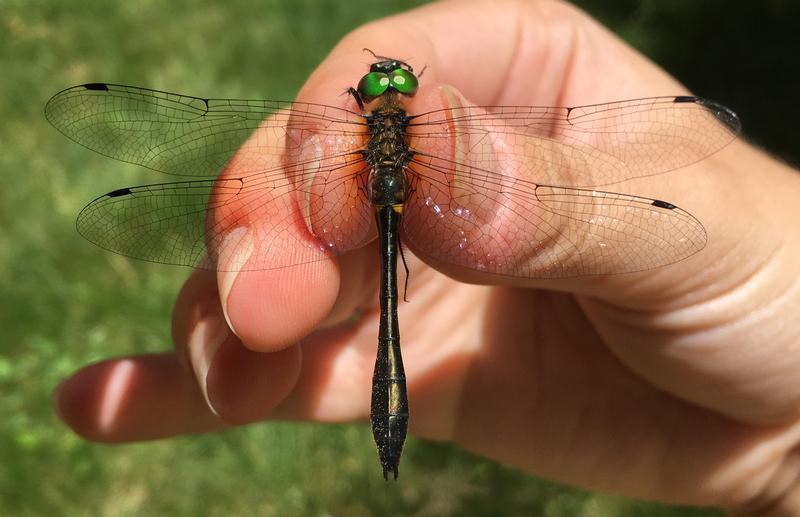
238 384
160 395
211 381
133 398
154 396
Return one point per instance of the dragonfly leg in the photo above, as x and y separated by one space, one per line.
352 91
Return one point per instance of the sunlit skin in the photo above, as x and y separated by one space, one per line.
678 384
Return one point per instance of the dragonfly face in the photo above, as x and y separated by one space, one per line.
503 190
385 76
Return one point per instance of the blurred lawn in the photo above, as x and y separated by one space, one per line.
64 303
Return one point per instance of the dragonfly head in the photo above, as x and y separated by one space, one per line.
387 75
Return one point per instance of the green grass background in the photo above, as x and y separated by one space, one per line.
65 303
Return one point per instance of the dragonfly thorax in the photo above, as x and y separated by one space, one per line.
387 152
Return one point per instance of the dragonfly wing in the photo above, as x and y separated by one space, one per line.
190 136
581 146
509 226
257 221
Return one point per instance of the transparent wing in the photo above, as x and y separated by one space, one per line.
237 223
580 146
513 227
189 136
493 188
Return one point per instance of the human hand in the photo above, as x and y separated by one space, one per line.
675 384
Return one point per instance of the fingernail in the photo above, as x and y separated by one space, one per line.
204 340
235 251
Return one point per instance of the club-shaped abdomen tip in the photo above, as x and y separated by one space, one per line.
387 469
390 459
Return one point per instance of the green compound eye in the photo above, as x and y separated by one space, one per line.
373 84
404 81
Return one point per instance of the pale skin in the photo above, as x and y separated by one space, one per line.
678 384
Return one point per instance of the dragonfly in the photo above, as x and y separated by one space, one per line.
503 190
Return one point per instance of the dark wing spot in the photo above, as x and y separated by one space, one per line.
663 204
96 86
722 114
120 192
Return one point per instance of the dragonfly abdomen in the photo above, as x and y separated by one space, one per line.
389 410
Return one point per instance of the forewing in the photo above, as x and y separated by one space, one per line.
185 135
579 146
